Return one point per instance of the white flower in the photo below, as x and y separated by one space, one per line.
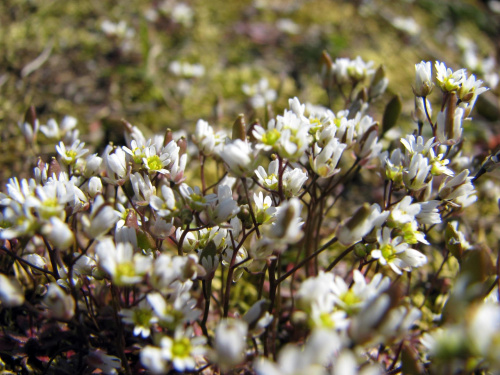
152 358
20 191
165 205
186 70
53 130
226 206
101 219
310 359
141 316
324 161
264 209
393 166
230 342
260 93
314 289
404 211
469 92
293 180
396 253
143 188
195 198
120 262
484 329
75 151
360 224
429 214
116 165
29 130
358 70
416 145
406 24
269 179
58 232
448 80
182 349
339 70
108 364
268 139
354 298
346 364
119 29
204 137
399 321
11 292
59 304
94 186
423 79
459 189
161 228
238 156
92 165
155 161
415 176
286 228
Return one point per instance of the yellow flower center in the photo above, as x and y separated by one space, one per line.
181 348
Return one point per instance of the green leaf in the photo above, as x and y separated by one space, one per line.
391 113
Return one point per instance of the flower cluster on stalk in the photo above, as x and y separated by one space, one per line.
274 257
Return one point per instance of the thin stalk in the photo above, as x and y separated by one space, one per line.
252 214
305 260
119 326
340 257
229 279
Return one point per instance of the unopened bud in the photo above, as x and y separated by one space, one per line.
209 259
378 84
182 143
186 216
168 137
54 168
245 216
360 224
239 128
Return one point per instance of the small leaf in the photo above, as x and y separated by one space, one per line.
410 363
391 113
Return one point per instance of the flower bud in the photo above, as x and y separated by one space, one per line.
59 233
378 84
92 166
239 128
95 186
209 259
60 305
230 342
419 113
455 240
423 82
168 137
360 224
11 292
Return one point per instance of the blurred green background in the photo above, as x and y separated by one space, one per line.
102 61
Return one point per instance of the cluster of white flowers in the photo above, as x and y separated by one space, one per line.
129 236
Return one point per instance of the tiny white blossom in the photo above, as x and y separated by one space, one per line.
59 304
423 80
448 80
11 292
230 342
239 157
69 155
396 253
